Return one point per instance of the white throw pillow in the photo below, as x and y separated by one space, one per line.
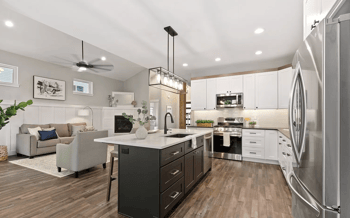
35 131
76 129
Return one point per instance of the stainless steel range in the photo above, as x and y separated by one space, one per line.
228 138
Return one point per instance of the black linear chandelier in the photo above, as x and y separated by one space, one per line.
163 78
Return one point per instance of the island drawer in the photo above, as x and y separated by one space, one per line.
171 196
171 173
188 144
172 153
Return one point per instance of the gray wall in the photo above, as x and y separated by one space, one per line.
27 67
138 84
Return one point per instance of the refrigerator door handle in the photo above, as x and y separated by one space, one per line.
315 204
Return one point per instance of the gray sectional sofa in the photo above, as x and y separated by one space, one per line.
28 144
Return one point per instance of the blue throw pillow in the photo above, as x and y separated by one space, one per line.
47 135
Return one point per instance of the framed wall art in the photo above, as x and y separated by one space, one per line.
50 89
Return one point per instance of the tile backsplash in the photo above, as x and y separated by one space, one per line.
265 118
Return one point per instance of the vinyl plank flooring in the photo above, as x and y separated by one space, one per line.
232 189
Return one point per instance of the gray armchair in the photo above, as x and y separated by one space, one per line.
83 153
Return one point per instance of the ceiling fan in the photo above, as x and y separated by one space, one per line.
83 65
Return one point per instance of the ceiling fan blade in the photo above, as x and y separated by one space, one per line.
95 71
103 65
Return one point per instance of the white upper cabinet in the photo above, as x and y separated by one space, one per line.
198 94
271 143
266 90
285 77
315 10
249 91
211 94
233 84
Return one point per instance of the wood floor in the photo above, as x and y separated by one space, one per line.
231 189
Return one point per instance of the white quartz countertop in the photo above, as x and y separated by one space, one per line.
156 140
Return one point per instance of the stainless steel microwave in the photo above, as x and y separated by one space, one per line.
229 100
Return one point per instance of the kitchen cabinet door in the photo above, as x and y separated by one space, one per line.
190 178
266 90
236 84
285 78
249 91
198 163
211 94
223 85
271 145
198 94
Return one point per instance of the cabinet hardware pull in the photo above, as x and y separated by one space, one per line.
280 136
252 152
252 133
288 155
283 140
284 153
175 172
283 168
253 142
175 195
289 145
175 152
280 143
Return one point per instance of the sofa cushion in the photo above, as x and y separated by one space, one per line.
47 135
70 128
66 140
61 129
48 143
24 127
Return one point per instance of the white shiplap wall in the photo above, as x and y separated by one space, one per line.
45 114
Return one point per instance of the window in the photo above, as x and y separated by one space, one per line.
82 87
8 75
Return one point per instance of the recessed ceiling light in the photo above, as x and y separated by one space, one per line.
258 52
259 30
103 58
9 23
185 65
217 59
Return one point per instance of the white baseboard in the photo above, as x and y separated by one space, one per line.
275 162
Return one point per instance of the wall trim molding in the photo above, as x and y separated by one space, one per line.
243 73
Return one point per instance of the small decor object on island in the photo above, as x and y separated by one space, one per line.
205 123
134 103
141 132
5 115
252 124
52 89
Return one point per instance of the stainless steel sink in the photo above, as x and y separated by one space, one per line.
178 135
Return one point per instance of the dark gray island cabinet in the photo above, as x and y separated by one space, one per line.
151 182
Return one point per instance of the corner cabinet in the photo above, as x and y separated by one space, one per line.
198 94
285 78
266 91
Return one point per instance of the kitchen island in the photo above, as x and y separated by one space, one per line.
156 173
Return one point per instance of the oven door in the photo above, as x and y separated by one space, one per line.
233 152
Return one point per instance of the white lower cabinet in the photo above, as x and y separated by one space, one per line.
260 144
286 157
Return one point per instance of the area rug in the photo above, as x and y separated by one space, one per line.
47 164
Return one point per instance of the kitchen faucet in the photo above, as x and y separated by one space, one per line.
172 121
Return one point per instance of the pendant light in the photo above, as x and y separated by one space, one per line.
164 79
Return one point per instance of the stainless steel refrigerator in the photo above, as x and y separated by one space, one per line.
319 119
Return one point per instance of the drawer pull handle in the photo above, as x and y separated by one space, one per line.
288 155
283 168
284 153
280 143
175 195
175 172
253 142
283 140
289 145
252 133
175 152
252 152
280 136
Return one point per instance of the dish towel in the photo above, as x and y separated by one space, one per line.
227 139
194 142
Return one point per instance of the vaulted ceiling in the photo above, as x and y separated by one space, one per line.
133 29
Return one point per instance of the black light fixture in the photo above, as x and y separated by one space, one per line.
164 79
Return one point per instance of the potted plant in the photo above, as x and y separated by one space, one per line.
252 124
205 123
5 115
142 119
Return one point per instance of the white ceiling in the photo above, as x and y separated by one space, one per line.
133 29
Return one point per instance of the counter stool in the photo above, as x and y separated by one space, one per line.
114 154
